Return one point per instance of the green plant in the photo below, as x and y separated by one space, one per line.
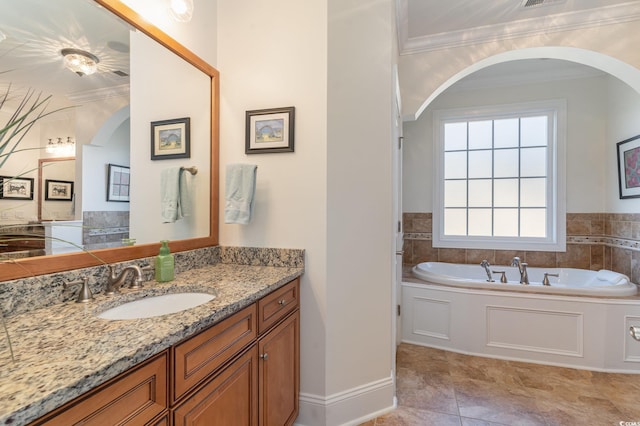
31 108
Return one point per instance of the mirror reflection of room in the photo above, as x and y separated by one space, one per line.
69 66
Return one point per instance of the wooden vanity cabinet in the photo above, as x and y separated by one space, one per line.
261 385
136 397
244 370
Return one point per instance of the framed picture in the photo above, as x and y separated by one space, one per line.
171 139
629 167
270 130
16 188
118 183
58 190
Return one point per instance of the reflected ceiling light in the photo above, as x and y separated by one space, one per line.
79 61
61 148
2 37
181 10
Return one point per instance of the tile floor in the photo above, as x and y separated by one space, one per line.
441 388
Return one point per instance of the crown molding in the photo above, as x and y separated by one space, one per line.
606 15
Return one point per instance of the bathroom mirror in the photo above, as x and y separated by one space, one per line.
164 75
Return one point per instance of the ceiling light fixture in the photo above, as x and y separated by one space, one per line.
61 148
79 61
181 10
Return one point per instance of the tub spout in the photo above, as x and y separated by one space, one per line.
487 268
522 268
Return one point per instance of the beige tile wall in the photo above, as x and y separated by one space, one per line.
594 241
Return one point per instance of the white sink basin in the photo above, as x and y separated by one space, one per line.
155 306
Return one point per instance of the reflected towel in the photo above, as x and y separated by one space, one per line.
175 195
240 186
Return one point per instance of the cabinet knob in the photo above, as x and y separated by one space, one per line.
264 356
282 302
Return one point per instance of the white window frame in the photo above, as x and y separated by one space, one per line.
556 182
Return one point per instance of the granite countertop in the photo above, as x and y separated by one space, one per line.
65 350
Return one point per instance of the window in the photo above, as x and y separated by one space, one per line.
500 177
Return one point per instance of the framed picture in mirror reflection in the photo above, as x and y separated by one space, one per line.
16 188
118 183
171 139
58 190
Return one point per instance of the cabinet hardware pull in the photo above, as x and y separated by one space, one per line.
635 332
264 356
282 302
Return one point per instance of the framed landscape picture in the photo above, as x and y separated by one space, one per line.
270 130
171 139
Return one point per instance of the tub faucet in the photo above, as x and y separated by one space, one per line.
115 281
522 268
487 268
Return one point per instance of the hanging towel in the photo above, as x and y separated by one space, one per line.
240 188
175 194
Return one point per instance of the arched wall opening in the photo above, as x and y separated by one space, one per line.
615 67
592 181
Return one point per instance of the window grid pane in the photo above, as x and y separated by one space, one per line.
511 153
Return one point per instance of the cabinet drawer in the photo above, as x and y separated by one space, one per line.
198 357
132 399
275 306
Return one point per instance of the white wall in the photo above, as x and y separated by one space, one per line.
273 55
331 197
360 240
113 149
22 164
587 116
623 109
156 96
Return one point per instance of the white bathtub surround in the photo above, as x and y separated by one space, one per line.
570 331
570 281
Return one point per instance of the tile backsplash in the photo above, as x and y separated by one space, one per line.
594 241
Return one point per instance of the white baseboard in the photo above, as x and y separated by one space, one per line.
350 407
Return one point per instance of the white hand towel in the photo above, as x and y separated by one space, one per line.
240 186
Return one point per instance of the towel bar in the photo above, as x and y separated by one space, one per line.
193 170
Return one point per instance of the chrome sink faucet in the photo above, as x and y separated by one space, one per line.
522 268
115 281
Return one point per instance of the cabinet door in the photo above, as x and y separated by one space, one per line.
280 373
229 398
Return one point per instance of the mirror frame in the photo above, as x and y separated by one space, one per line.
29 267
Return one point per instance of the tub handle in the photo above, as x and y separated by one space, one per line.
503 276
634 331
545 280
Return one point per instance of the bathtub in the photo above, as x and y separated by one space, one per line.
453 307
570 281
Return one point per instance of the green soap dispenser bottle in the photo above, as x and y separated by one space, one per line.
164 263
